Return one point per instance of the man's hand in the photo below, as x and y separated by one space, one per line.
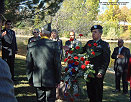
3 34
99 75
120 56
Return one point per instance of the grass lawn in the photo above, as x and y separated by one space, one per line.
25 93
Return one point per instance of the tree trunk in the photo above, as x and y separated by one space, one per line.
2 6
2 9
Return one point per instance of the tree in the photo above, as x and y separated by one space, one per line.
17 10
124 14
77 15
110 19
2 8
1 12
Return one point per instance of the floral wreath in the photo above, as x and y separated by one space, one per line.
77 66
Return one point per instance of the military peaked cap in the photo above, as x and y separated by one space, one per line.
96 27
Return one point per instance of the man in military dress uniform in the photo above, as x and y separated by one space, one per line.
100 62
44 67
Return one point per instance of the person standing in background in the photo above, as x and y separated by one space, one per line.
73 42
129 75
36 36
121 55
9 46
55 37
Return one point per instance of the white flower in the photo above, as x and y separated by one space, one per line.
76 68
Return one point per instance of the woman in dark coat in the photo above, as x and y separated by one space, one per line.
55 37
36 36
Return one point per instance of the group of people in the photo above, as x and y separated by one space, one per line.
95 86
44 55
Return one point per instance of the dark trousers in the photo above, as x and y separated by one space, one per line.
118 76
10 61
46 94
95 89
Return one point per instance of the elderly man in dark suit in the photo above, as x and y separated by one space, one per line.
73 42
9 46
44 67
121 55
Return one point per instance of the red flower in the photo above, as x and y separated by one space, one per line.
87 62
62 80
83 66
67 52
71 39
89 45
95 44
66 94
73 70
76 57
76 63
71 52
69 57
66 69
74 80
70 61
82 58
77 47
80 34
93 53
65 59
76 94
72 99
66 82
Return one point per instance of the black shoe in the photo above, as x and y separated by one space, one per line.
116 91
125 93
14 79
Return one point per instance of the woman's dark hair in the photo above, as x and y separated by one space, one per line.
54 30
8 21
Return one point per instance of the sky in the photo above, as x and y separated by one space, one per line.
103 7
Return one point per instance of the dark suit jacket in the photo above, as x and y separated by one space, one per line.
121 63
33 39
101 61
74 43
9 45
43 63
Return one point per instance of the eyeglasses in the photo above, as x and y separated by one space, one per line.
36 32
8 24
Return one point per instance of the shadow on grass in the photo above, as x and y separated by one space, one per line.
23 92
26 93
26 99
109 86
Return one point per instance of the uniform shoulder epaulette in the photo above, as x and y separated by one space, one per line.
104 43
